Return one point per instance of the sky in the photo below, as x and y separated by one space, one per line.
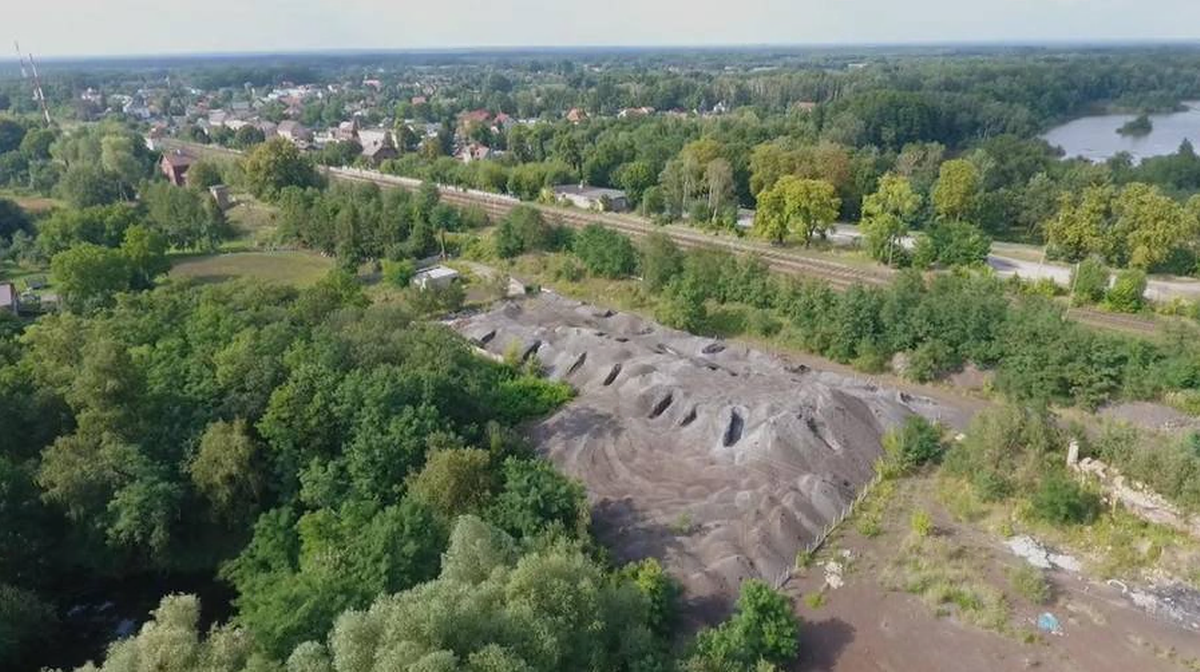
52 28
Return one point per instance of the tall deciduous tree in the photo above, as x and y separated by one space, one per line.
886 215
794 205
275 165
956 190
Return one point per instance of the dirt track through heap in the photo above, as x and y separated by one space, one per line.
721 460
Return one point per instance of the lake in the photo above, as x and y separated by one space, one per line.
1095 138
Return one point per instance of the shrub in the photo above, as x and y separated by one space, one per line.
915 443
605 252
929 360
566 268
661 262
815 600
921 523
1063 501
1089 282
1128 291
660 590
763 629
682 306
528 396
398 273
952 243
1030 583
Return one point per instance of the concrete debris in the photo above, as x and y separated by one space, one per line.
1026 547
833 574
1139 499
762 455
1175 602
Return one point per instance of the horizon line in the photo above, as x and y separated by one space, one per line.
601 48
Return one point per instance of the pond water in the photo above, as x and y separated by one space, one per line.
1095 138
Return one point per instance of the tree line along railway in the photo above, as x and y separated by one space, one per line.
839 276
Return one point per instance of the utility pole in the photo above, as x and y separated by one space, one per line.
38 94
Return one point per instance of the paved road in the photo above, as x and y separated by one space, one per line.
1157 289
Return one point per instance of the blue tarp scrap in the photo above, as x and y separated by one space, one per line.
1048 623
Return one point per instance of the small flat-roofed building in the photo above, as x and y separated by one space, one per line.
220 194
592 198
434 277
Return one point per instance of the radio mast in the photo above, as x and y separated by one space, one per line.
38 94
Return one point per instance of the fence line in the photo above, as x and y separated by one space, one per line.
819 541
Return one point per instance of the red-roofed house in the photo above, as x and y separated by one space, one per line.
9 301
475 116
175 164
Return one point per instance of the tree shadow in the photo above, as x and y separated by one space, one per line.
822 643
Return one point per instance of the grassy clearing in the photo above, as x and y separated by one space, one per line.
33 203
253 223
299 269
951 579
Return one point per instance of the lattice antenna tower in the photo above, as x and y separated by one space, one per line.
38 94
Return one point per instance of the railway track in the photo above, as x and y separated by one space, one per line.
838 275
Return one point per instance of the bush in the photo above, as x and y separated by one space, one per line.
915 443
952 243
1128 292
763 629
1030 583
522 230
1089 282
682 306
1063 501
929 361
660 590
605 252
398 273
921 523
661 261
528 396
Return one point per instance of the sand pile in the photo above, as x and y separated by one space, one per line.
721 460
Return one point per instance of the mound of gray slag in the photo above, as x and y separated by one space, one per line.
718 459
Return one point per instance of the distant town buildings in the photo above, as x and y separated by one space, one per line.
295 132
377 145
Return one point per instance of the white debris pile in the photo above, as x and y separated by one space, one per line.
1028 548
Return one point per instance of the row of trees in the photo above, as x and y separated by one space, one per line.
937 325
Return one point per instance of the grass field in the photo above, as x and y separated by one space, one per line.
299 269
253 223
32 203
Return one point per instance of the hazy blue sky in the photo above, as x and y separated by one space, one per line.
77 27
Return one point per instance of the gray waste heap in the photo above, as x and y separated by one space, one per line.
718 459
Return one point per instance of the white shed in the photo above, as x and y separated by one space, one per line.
435 276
